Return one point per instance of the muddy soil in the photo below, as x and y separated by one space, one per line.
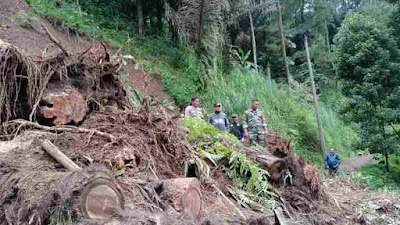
34 40
155 82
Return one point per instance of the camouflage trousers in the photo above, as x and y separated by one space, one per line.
257 136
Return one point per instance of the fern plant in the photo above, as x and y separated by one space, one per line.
217 145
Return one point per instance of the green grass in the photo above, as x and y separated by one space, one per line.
184 76
373 175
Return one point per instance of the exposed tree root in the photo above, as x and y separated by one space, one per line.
24 123
57 89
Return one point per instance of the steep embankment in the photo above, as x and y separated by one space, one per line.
21 27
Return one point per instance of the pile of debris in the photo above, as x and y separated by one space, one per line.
119 164
59 89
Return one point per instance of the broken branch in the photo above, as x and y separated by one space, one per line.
40 95
67 129
59 156
55 40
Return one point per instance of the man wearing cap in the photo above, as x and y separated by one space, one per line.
218 119
193 110
255 125
236 128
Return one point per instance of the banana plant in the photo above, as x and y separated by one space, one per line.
243 58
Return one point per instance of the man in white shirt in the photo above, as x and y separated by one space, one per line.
193 110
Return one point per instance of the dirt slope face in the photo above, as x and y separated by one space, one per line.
15 15
21 27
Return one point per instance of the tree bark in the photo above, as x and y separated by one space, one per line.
253 40
139 7
159 19
302 11
315 97
287 72
201 22
276 166
94 195
269 71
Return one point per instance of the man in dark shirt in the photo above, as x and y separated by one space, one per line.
236 128
218 119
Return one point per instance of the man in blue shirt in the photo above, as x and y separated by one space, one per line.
218 119
332 161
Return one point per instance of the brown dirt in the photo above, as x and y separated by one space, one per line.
155 83
34 41
278 145
157 145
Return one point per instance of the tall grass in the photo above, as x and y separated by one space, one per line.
290 114
287 113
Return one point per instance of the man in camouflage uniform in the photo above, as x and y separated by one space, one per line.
255 125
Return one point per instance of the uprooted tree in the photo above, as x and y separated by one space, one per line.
59 89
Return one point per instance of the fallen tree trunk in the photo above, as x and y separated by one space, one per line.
38 196
276 166
101 198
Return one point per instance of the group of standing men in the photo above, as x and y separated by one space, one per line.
253 130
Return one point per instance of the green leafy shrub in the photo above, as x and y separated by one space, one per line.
217 145
373 175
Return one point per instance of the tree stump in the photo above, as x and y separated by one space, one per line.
185 195
85 194
275 166
101 198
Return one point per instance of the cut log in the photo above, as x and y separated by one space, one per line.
275 166
101 198
67 107
185 195
91 195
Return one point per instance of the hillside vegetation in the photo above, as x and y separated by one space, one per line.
290 114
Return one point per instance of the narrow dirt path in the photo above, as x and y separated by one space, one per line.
350 164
